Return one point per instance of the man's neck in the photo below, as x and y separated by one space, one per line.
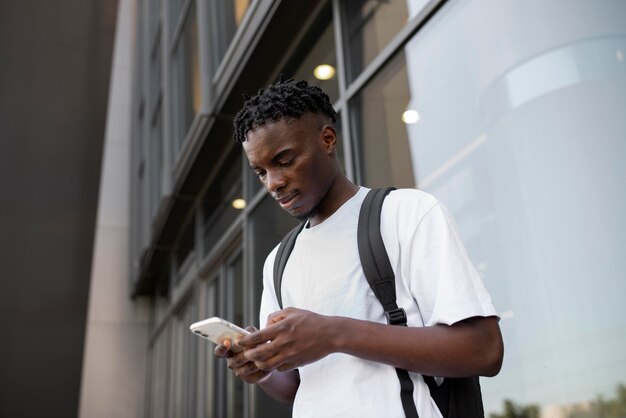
339 193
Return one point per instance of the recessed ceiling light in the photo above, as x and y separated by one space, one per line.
239 203
324 72
410 116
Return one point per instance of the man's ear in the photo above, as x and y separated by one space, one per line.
329 138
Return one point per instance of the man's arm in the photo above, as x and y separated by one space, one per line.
297 337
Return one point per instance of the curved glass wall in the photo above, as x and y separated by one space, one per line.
521 134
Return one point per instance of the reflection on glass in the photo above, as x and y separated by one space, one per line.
371 25
522 137
187 76
316 60
380 134
227 16
217 204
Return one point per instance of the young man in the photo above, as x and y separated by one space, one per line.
330 351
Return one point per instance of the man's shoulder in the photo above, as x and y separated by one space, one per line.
410 201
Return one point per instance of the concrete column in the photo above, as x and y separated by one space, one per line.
116 339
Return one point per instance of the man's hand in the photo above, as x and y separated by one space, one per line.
243 368
292 338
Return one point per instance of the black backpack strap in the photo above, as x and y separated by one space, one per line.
373 254
381 278
282 255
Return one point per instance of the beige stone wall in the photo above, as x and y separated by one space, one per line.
114 362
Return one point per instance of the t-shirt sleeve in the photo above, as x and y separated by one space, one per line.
437 270
269 302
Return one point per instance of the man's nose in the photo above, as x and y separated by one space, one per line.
275 181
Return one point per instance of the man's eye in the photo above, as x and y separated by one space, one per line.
286 163
259 173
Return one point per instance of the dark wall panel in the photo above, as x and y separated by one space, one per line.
55 60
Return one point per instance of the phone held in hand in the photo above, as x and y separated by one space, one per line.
217 330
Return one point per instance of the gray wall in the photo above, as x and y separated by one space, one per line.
55 59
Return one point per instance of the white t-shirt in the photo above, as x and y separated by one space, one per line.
324 275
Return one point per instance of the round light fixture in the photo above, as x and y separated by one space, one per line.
324 72
410 116
239 203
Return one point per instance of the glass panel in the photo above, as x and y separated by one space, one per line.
184 247
158 395
521 134
377 111
226 17
212 387
155 75
223 201
186 77
316 60
176 6
178 367
371 24
191 316
236 315
185 361
156 147
269 223
154 17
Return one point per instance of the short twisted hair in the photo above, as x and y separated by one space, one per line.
283 100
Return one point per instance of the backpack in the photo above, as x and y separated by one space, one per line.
455 397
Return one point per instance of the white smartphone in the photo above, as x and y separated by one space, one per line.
217 330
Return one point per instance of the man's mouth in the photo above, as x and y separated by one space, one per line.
288 200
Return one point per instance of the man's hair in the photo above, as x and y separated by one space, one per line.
283 100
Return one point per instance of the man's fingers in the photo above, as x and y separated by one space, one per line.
262 352
278 316
237 360
222 349
256 338
273 363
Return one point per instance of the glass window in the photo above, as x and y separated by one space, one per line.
370 26
227 16
521 134
380 135
184 248
155 75
186 71
156 161
223 201
212 386
154 17
158 380
184 363
316 61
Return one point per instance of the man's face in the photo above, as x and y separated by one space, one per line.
295 161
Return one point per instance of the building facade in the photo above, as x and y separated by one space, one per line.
511 113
